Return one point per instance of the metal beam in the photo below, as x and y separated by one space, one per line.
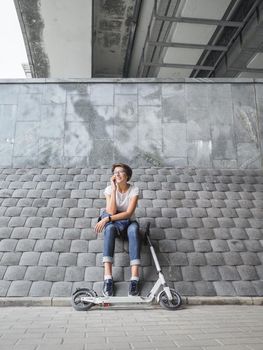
246 70
177 65
188 46
192 20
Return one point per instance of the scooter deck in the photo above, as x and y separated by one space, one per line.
117 300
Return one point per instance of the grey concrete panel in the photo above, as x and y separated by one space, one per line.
199 153
7 122
149 95
50 152
54 93
29 107
196 98
219 92
9 94
6 154
248 155
126 89
174 103
150 130
223 142
101 153
26 139
126 108
52 115
102 94
77 140
174 140
126 141
198 124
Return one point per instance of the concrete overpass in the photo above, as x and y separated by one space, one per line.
143 38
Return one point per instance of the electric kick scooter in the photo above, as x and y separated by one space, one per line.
83 299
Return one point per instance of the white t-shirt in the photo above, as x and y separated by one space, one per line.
123 199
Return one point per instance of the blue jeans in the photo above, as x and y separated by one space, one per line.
112 230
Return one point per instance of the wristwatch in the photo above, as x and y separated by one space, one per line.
109 218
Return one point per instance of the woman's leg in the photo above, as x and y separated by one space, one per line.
109 245
108 252
134 248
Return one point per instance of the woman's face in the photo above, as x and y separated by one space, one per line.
120 174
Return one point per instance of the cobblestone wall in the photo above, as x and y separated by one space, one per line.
92 123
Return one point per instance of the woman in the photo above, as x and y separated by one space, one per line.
121 202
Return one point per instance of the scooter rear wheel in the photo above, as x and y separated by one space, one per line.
79 304
170 304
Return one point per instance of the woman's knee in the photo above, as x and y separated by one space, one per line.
110 231
133 230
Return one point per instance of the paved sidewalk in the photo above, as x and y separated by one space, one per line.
192 328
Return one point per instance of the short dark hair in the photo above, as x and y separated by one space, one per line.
126 168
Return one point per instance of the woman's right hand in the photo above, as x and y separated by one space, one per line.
113 183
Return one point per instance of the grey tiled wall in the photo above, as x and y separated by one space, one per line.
145 123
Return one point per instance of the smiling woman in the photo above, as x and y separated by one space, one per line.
118 220
13 53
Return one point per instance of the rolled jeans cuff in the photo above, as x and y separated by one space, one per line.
107 259
135 262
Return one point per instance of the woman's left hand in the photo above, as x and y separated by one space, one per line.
100 225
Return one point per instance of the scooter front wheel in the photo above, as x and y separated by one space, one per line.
170 304
81 305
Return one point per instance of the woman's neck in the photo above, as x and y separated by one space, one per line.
123 187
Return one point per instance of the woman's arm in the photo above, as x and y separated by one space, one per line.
111 207
120 216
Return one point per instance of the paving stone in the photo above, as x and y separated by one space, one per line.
2 271
233 258
153 212
40 289
219 245
194 222
259 270
43 245
74 234
229 212
167 246
13 211
184 212
67 259
241 223
37 233
79 246
210 222
33 222
214 259
29 258
74 274
178 259
189 233
232 203
244 288
222 233
196 259
11 202
185 288
238 233
48 259
224 288
94 274
66 222
256 223
25 245
16 221
229 273
163 222
35 273
253 245
14 273
204 203
170 233
4 286
226 222
206 233
184 245
86 259
61 289
29 211
19 289
210 273
8 245
246 204
55 273
191 273
236 245
202 246
205 288
177 195
247 273
217 203
250 258
219 195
